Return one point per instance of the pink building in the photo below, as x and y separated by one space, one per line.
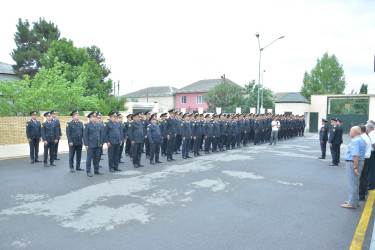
191 97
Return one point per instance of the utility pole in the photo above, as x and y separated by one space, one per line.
118 89
114 88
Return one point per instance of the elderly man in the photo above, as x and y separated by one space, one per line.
354 160
371 165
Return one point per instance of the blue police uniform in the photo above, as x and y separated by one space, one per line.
186 135
113 135
335 141
92 138
49 134
240 132
171 133
33 132
215 135
163 130
234 133
197 133
135 133
155 138
74 133
57 122
323 138
207 131
229 134
223 132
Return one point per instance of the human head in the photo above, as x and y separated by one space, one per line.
112 115
54 113
363 128
75 115
354 131
48 116
92 116
137 117
153 119
369 127
33 115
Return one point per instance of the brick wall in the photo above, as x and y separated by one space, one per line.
13 129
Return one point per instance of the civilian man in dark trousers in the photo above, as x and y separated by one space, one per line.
49 134
112 136
334 142
135 133
92 140
59 135
33 133
154 136
323 138
171 135
74 133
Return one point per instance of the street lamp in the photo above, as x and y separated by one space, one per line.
260 56
223 77
262 87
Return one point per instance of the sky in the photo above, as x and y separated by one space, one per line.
171 42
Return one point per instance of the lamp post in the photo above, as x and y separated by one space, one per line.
223 77
260 56
262 87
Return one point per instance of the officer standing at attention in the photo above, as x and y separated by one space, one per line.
228 138
113 138
92 140
128 143
50 137
323 138
334 142
135 133
171 135
163 130
122 132
154 136
207 132
74 133
177 130
197 134
223 131
55 120
215 133
101 125
33 133
339 126
145 124
186 135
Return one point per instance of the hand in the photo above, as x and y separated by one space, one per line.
120 144
40 139
145 136
213 137
59 137
56 141
194 137
152 142
183 139
168 137
132 142
356 171
101 145
205 137
330 145
108 144
45 143
29 139
87 147
71 144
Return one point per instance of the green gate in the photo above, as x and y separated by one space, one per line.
348 121
313 124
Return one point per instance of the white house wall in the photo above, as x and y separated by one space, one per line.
165 102
295 108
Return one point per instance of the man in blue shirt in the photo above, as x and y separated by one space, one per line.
354 160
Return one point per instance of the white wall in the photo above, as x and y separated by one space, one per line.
295 108
371 114
165 102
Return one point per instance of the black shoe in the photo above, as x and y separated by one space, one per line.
72 170
183 157
118 170
98 173
362 198
147 157
52 164
80 169
136 166
169 159
321 157
188 156
100 166
126 154
32 162
173 159
101 159
56 159
158 161
152 162
37 161
199 154
121 162
139 165
195 155
46 165
89 174
112 170
207 153
176 153
332 164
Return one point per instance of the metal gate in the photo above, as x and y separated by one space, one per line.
348 121
313 122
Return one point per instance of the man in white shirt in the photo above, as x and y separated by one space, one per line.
275 130
371 164
363 178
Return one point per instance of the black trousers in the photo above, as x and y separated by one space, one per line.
207 143
196 144
323 148
147 145
164 146
113 156
93 154
121 150
334 153
234 140
371 171
170 146
56 149
256 137
222 142
137 153
338 152
127 147
228 141
154 151
73 150
363 180
177 143
185 147
51 147
34 149
215 142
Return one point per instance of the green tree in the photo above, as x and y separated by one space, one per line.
363 89
327 77
77 60
224 95
95 54
111 103
49 89
31 44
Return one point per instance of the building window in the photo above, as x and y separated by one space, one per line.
200 99
183 99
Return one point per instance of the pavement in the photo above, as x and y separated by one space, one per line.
257 197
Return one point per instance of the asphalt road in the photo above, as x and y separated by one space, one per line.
263 197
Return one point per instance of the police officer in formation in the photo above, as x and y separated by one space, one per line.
33 133
323 138
113 138
93 141
171 135
334 142
50 135
186 135
74 133
137 139
59 135
155 138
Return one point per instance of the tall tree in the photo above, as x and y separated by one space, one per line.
327 77
363 89
95 54
31 44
